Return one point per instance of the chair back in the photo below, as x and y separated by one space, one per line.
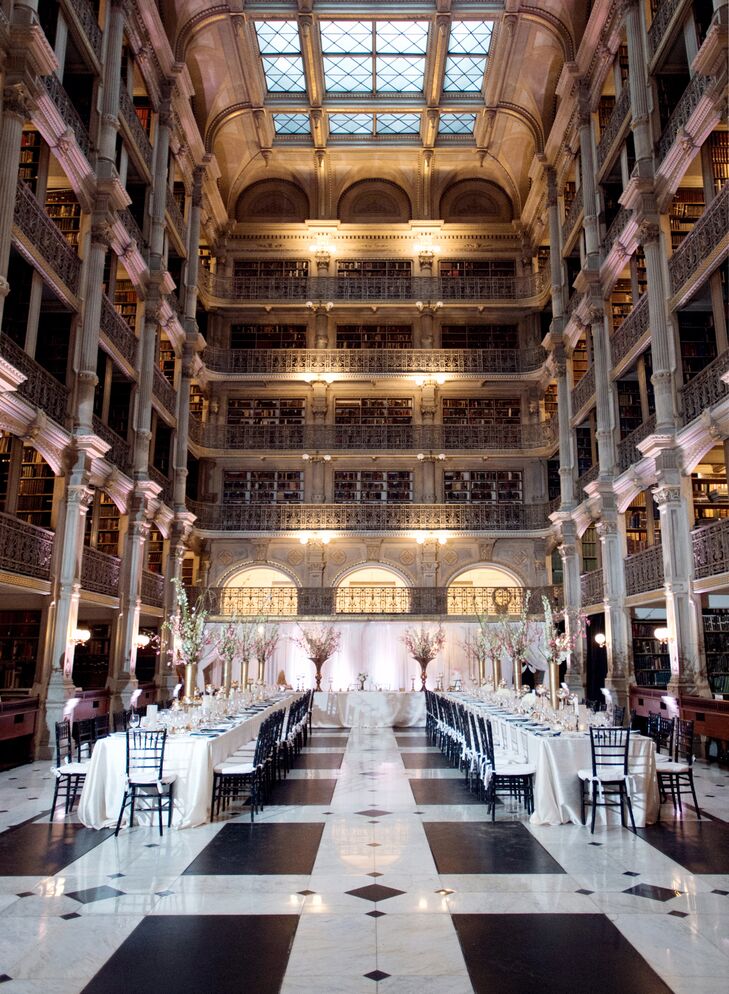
101 726
488 741
64 742
618 716
120 720
145 753
609 751
664 738
683 741
84 734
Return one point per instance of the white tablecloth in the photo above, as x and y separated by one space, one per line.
190 757
368 709
557 786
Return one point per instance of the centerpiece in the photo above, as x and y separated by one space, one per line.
264 645
485 646
423 644
236 639
559 644
189 636
362 679
319 643
516 638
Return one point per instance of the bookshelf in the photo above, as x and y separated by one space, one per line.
143 110
391 269
580 361
374 336
268 336
605 108
569 193
583 438
271 269
35 492
459 269
266 411
719 152
550 401
263 487
125 301
716 647
480 411
710 497
30 149
483 486
374 411
372 486
65 211
629 409
197 401
686 208
590 557
623 63
480 336
621 302
155 550
205 256
698 341
167 359
19 636
107 525
554 486
650 658
6 450
642 524
91 661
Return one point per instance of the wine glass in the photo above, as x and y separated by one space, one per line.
134 719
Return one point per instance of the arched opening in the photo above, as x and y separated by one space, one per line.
257 591
374 201
485 590
476 200
272 199
372 590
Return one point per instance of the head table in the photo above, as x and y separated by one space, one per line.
368 709
191 756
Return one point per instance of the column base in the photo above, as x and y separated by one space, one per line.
575 681
122 690
619 687
688 684
59 691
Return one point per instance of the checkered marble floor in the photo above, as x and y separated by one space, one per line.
373 870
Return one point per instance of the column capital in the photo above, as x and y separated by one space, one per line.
17 102
666 495
648 230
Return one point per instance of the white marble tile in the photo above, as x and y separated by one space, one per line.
429 950
671 947
324 943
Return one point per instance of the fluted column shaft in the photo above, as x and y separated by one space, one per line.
112 83
638 83
587 174
16 108
661 346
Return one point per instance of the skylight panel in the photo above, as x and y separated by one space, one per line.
291 124
401 37
398 124
348 73
351 124
400 74
464 74
346 37
278 37
374 56
468 48
470 38
280 48
456 124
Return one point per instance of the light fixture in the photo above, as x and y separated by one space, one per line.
324 538
662 634
141 641
600 640
440 537
80 636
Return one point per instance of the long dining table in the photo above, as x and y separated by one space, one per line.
191 756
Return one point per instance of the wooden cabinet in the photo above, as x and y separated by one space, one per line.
30 148
35 492
266 411
716 646
65 211
19 637
711 497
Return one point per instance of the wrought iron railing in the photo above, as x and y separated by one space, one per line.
711 548
71 117
584 390
402 437
628 451
661 20
132 228
616 229
89 24
614 125
100 572
35 225
373 362
644 570
369 517
163 390
175 302
119 452
589 476
136 131
709 233
118 331
25 549
630 332
153 588
683 110
164 482
573 303
591 587
706 388
175 215
39 386
572 215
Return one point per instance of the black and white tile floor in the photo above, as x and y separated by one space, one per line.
372 871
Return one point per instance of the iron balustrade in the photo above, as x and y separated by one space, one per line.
369 517
614 126
25 549
152 588
591 588
100 572
372 362
628 451
132 228
631 331
644 570
711 548
572 215
708 234
683 110
615 230
175 302
706 388
659 24
573 303
589 476
39 387
163 390
35 225
86 17
119 453
175 215
158 477
584 391
118 331
71 117
135 128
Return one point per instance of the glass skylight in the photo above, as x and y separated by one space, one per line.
456 124
374 56
280 48
291 124
374 124
351 124
398 124
468 49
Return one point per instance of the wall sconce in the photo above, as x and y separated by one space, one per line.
426 248
422 537
327 378
421 381
141 641
662 634
440 457
80 636
600 640
322 246
315 458
323 538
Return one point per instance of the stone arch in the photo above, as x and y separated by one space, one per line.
374 201
475 200
274 200
273 590
383 589
492 590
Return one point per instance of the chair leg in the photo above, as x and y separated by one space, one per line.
159 812
121 814
55 797
131 809
693 792
582 801
169 805
594 812
630 809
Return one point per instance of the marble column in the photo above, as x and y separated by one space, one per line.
16 110
427 313
568 552
617 624
637 81
661 335
321 323
587 175
122 681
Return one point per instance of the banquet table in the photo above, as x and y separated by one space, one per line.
367 709
190 756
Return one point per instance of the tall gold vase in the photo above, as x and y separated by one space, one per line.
517 676
481 671
190 680
244 667
227 673
554 684
261 669
496 663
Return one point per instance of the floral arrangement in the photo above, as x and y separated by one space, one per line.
237 639
264 641
424 644
518 635
485 646
362 677
319 643
557 644
187 628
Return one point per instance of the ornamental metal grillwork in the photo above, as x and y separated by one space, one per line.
591 587
711 549
157 477
572 216
584 391
680 117
35 225
573 303
25 549
119 453
644 570
631 331
615 230
163 390
136 131
614 126
175 215
468 49
100 572
369 517
372 600
279 602
280 48
175 303
153 588
68 112
493 601
705 389
588 477
661 19
628 451
39 387
131 227
118 331
709 232
373 361
89 25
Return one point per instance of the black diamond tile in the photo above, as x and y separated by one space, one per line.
327 812
678 914
152 845
4 978
70 916
305 792
260 848
39 849
444 891
631 873
115 876
375 914
373 813
377 975
374 874
92 894
164 893
319 761
306 893
487 847
594 844
373 823
374 845
700 847
584 890
724 893
653 892
375 892
25 893
448 791
425 761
